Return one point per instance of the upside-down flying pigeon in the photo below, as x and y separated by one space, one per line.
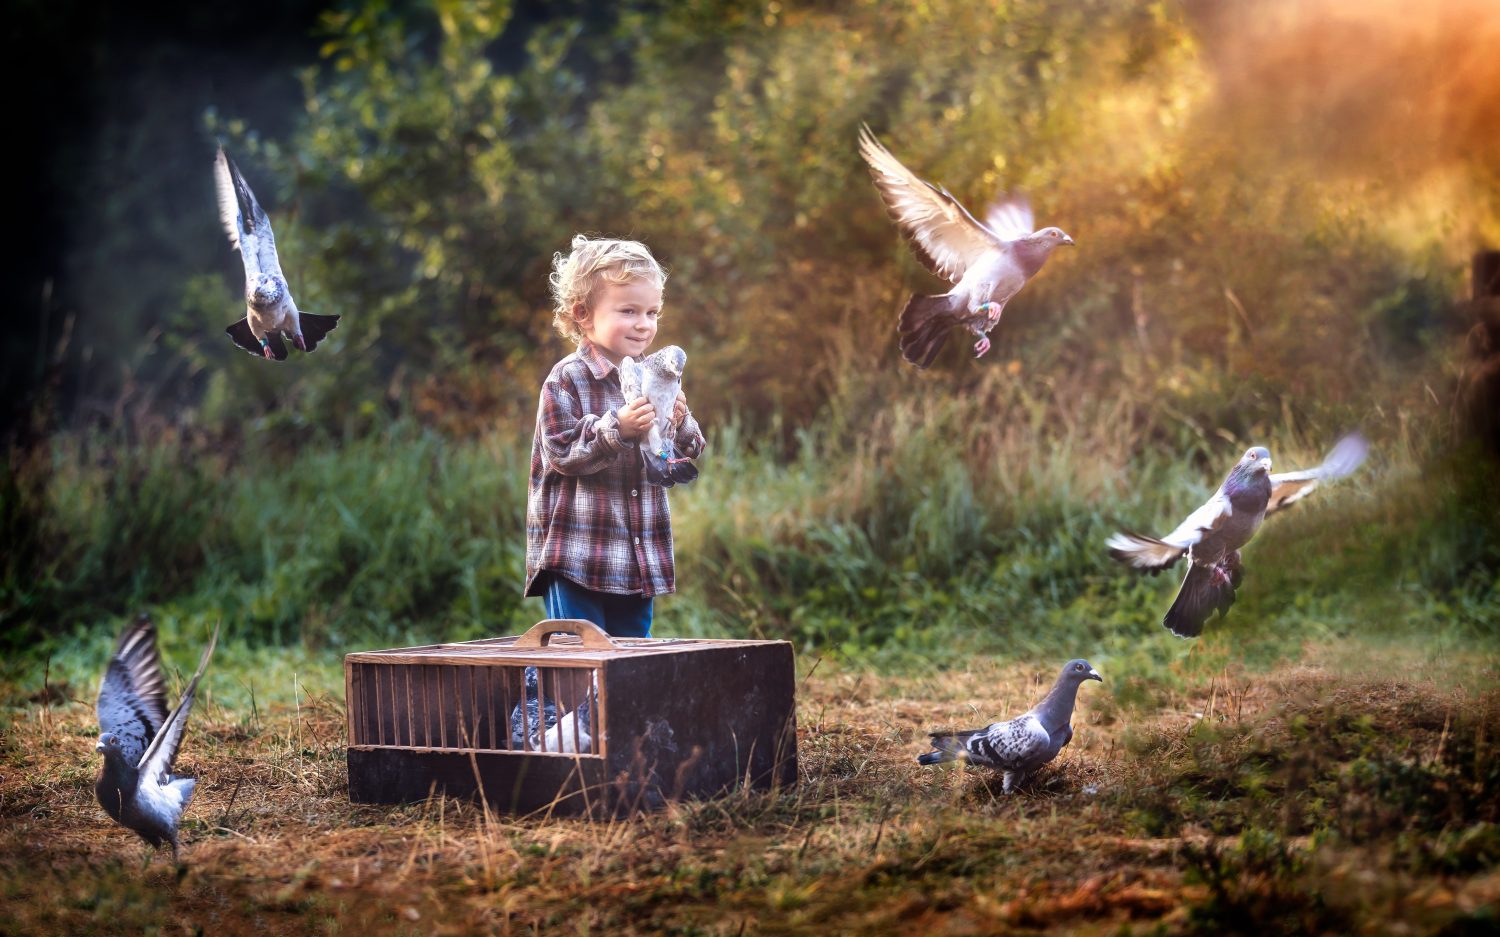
270 312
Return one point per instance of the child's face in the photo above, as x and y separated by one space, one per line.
623 318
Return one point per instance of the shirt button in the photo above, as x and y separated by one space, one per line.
632 492
637 541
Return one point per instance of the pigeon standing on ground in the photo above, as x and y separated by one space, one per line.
1211 536
658 378
1020 746
270 312
987 263
139 738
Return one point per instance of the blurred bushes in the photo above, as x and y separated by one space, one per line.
375 536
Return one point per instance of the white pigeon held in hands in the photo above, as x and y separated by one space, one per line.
986 263
1020 746
139 738
658 378
270 312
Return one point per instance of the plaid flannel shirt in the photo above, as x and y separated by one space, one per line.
590 516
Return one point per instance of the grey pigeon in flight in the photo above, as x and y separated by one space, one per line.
1020 746
139 738
658 377
270 312
1211 536
986 263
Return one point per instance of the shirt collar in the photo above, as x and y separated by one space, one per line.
589 354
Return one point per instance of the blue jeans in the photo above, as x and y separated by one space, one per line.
624 616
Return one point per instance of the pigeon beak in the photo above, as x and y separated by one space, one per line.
1067 240
98 746
1094 675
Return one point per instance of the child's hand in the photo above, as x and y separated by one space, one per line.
679 410
636 417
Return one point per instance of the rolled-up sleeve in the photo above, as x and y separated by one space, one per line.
573 441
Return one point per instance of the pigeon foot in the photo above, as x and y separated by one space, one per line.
265 350
982 346
299 341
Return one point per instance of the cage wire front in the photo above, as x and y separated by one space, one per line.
482 708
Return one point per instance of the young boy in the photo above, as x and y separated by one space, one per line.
598 538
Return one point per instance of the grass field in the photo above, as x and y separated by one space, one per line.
1356 790
1322 760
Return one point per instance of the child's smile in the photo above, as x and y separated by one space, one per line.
622 320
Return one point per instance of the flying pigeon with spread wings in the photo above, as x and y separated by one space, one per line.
139 738
658 378
986 263
1020 746
270 312
1211 536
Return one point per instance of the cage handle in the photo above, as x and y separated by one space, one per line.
589 633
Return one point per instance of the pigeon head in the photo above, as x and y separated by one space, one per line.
1256 461
1052 237
111 746
1033 250
1077 671
669 360
265 290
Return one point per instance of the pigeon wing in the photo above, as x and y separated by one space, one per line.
1010 218
158 759
630 378
1288 488
945 237
132 699
1149 553
245 222
1010 745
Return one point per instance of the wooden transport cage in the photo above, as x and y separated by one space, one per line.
581 723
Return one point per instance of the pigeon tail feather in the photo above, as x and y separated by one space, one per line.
668 468
315 327
924 326
948 747
1141 552
1204 590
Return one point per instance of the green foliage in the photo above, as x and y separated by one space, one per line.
447 149
378 537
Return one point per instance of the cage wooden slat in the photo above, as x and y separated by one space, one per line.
349 695
489 701
411 734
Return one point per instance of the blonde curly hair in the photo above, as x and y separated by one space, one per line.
592 261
